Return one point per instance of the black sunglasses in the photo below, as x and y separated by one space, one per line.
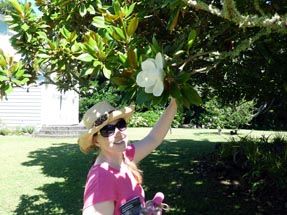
109 130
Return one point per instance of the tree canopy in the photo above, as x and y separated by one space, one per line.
229 48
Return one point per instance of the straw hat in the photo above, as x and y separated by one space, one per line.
97 117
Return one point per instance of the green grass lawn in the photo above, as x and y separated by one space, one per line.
46 176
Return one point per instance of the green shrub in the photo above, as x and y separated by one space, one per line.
18 131
143 116
262 161
144 119
226 116
150 117
28 130
4 131
101 93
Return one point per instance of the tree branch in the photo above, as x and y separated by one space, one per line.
230 12
244 44
258 8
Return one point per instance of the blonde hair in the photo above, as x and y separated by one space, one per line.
134 169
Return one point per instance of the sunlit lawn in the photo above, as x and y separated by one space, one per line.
46 176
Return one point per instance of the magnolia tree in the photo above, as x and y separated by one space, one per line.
73 44
148 49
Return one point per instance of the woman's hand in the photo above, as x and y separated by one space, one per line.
173 101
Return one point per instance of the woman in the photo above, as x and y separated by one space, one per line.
113 183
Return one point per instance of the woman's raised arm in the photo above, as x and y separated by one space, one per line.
156 135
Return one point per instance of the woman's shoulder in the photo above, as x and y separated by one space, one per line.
102 174
101 185
102 169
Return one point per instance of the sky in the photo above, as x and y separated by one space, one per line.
7 48
33 3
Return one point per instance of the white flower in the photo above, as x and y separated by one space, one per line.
152 74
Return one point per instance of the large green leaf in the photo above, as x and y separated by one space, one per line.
83 10
191 38
91 9
107 72
18 7
85 57
132 59
3 78
99 22
25 27
174 90
117 7
191 95
132 26
65 32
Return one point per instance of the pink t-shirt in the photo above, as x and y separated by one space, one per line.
105 183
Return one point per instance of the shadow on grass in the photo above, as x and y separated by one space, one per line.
63 161
173 170
170 169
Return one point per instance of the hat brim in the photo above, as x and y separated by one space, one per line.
86 139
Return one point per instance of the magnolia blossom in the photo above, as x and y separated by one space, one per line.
151 76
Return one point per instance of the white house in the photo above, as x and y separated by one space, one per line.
36 106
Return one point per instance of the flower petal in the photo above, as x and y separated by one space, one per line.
161 74
158 88
140 79
149 65
149 89
145 79
159 60
152 75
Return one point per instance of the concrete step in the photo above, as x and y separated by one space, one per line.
59 131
